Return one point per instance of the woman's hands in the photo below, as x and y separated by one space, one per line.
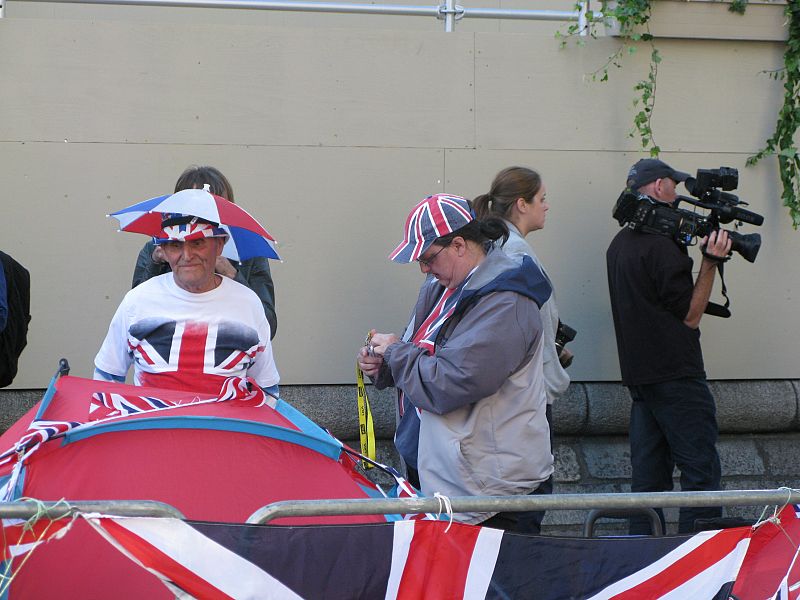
370 356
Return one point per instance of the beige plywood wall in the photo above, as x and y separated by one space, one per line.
329 136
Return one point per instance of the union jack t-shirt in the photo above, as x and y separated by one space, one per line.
180 340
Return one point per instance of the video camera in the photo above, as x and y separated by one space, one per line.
564 335
710 190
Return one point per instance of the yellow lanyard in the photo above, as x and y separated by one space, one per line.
366 428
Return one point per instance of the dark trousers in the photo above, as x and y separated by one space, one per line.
530 521
674 424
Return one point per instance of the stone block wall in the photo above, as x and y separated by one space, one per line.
759 443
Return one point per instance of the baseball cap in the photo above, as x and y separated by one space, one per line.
648 170
429 220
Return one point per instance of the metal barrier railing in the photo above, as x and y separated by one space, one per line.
448 11
25 509
379 506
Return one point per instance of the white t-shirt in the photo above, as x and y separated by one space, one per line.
180 340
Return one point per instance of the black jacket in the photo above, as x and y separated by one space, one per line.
14 336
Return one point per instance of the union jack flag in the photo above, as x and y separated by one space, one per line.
105 405
425 559
430 219
191 355
19 537
38 433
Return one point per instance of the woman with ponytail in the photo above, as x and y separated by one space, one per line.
468 370
518 196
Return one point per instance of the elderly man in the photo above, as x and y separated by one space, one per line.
657 310
190 328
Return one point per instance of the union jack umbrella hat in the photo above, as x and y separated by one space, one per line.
162 217
429 220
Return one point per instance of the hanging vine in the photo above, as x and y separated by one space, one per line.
783 143
633 17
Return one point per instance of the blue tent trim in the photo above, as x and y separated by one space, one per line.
300 420
327 446
47 398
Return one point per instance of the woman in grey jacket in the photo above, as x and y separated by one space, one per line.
469 367
518 196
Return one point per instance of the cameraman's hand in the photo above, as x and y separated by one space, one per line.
717 244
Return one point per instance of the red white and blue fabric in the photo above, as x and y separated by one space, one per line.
431 219
105 405
193 230
423 559
38 433
192 354
247 238
20 537
425 335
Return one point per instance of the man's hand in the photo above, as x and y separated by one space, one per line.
370 365
224 267
716 245
381 341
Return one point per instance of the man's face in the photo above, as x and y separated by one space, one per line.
664 190
192 263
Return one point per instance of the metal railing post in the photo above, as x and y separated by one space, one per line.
25 509
450 16
449 11
583 23
378 506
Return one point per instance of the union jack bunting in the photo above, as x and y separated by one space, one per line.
243 390
402 487
38 433
106 405
432 218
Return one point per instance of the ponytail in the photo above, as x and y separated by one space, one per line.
481 206
508 185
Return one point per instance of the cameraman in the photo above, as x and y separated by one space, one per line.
657 309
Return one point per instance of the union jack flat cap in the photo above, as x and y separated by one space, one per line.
429 220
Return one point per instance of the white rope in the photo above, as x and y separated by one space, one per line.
775 518
444 506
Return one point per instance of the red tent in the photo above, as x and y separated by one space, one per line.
214 461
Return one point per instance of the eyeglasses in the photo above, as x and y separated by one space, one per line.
429 261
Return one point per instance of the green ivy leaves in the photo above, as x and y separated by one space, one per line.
782 143
633 17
